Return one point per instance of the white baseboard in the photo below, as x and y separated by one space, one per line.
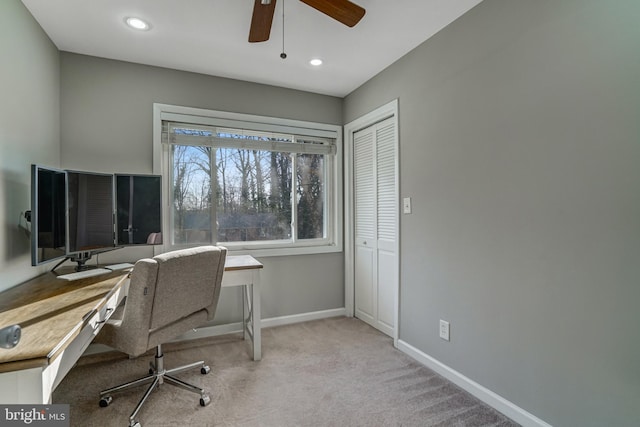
303 317
230 328
492 399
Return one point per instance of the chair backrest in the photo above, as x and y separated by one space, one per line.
187 281
168 295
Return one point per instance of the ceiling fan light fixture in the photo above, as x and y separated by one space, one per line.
316 62
137 24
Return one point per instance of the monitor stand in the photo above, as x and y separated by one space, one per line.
81 258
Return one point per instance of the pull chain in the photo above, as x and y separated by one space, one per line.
283 55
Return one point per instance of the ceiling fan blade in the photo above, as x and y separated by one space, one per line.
261 21
341 10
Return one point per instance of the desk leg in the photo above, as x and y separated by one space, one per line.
256 318
28 386
246 313
251 316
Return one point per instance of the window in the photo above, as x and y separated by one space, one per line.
250 183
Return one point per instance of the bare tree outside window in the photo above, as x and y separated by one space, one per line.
250 206
310 194
249 192
191 194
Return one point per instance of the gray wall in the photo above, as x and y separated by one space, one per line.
29 129
106 125
520 145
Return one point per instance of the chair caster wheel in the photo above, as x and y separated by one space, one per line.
205 370
205 400
151 371
105 401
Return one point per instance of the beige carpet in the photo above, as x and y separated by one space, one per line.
333 372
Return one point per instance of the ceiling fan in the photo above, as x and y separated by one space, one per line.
341 10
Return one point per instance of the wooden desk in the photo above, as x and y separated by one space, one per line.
59 319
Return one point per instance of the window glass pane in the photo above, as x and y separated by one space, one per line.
310 195
253 198
191 194
247 184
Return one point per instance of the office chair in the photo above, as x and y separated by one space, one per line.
168 295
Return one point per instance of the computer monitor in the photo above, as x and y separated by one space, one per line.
139 210
48 225
90 218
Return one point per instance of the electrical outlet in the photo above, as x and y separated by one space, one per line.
444 330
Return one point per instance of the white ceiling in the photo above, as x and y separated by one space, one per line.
210 37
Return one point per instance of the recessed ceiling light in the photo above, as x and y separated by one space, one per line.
316 62
137 23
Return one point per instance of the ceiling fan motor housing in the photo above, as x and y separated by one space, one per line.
343 11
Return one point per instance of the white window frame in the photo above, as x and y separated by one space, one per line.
333 180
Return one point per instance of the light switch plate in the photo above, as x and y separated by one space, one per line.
406 205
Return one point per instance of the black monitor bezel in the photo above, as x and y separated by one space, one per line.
35 213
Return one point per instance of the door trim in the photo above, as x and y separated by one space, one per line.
389 110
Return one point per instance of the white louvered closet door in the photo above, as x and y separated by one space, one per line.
375 263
